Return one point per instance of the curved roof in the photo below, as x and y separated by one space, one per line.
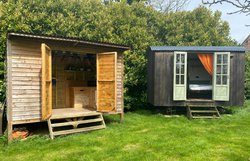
199 48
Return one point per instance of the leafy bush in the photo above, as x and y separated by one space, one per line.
136 25
247 77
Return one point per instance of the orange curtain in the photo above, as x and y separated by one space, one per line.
207 62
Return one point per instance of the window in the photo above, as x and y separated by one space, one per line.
222 69
180 69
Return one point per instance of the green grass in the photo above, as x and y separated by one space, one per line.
144 136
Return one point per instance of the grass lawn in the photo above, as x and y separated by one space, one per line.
144 136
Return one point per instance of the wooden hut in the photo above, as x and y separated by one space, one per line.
67 82
246 43
196 76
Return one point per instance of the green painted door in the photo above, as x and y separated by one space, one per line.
221 76
180 76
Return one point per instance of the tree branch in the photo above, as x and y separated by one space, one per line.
243 6
168 5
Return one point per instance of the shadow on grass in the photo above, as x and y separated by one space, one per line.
159 110
182 111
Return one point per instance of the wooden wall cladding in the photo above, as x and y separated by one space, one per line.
83 97
119 83
46 55
26 80
106 82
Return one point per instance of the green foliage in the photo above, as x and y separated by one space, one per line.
247 76
136 25
199 27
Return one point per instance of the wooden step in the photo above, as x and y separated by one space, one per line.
71 131
54 117
199 105
76 122
69 123
203 111
205 117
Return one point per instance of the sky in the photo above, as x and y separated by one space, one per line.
237 22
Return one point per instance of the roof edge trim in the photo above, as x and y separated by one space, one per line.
69 39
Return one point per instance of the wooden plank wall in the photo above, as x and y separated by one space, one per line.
61 90
25 80
54 68
150 77
163 79
60 97
106 82
119 83
237 78
46 79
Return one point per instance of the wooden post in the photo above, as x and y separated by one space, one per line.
9 92
9 131
121 117
189 112
1 121
50 129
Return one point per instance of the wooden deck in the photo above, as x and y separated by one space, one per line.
200 102
72 112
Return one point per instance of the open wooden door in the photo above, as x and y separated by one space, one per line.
221 76
46 82
106 81
180 76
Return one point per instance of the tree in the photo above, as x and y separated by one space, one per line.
243 6
168 5
136 25
200 27
160 5
135 1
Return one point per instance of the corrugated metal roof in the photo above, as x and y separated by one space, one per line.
67 39
199 48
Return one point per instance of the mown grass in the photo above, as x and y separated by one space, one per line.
144 136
